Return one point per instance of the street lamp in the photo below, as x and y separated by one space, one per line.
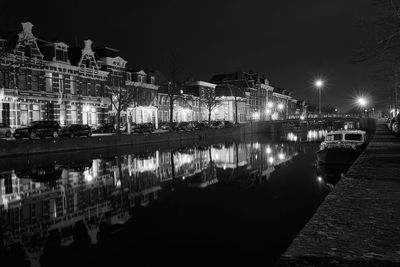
362 102
319 83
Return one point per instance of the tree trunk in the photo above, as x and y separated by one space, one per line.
209 117
171 110
118 119
236 111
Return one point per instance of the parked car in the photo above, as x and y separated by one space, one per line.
168 126
144 128
39 129
217 125
104 128
5 130
228 124
198 125
390 124
396 128
76 130
184 126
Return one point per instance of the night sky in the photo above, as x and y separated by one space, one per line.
291 41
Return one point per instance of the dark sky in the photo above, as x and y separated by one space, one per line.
291 41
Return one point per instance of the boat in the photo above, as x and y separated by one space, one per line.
341 147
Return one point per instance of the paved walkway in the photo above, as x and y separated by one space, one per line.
358 224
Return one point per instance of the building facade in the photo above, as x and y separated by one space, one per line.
42 80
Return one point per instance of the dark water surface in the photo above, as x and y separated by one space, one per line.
226 202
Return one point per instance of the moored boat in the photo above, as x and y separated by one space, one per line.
341 147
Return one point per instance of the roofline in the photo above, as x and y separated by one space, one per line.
202 83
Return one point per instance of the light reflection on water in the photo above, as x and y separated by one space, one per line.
306 136
39 199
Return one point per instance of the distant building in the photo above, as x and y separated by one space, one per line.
256 88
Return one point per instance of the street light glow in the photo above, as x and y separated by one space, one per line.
280 106
319 83
270 104
362 101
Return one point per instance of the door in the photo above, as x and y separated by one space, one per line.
5 113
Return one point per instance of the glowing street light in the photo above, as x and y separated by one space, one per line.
319 83
270 104
362 101
280 106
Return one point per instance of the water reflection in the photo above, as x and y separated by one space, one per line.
39 199
306 136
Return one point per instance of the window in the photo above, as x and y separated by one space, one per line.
35 113
48 82
61 55
35 80
62 114
84 86
28 50
334 137
4 78
22 81
92 89
23 115
98 90
353 137
88 63
74 117
72 85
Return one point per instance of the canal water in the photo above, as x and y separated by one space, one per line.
228 201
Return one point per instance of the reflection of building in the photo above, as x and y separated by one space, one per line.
104 190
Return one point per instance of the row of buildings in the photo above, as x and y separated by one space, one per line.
42 80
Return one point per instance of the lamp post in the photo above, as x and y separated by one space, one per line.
319 83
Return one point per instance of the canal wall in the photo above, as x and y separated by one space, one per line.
31 147
358 224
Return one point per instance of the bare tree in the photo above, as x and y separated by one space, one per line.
382 48
121 98
176 81
210 100
174 93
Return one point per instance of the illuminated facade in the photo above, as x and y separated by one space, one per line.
40 80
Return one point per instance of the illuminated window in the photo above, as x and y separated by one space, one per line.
48 82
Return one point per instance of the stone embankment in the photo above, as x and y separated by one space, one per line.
358 224
26 147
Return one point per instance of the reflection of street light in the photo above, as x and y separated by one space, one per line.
319 83
270 104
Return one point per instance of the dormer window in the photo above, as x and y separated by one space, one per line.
61 52
61 55
27 50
